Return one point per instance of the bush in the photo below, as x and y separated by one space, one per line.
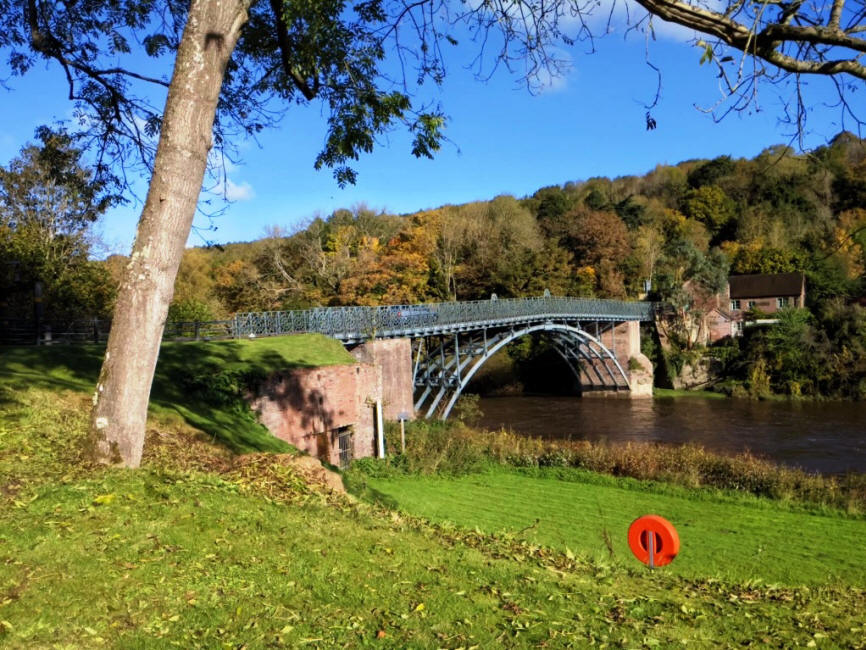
466 410
454 449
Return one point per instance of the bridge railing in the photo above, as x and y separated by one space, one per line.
394 320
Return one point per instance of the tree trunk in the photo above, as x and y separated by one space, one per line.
119 413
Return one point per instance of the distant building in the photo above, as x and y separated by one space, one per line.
764 293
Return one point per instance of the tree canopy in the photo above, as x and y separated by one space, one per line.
49 200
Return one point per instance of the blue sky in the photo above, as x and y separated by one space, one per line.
503 139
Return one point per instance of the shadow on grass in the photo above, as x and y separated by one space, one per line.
357 486
205 383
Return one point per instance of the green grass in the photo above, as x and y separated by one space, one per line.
198 549
202 382
732 538
672 392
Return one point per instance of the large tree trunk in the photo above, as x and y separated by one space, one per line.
122 393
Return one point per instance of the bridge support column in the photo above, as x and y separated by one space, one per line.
623 340
393 358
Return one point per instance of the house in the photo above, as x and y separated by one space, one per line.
762 293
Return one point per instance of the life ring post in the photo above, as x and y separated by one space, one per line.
653 540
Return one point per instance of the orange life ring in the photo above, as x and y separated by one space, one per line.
666 542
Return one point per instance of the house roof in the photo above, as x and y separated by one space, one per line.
766 285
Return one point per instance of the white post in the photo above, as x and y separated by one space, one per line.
403 416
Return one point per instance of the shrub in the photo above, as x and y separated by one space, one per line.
454 449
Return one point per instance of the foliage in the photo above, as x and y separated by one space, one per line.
807 355
189 310
49 200
467 410
711 206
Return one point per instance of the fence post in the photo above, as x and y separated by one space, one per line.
197 325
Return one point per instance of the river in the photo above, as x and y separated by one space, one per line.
826 437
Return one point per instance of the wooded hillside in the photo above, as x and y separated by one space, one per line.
691 224
698 220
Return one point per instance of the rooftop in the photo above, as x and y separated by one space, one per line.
766 285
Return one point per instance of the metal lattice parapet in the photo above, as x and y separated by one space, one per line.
355 324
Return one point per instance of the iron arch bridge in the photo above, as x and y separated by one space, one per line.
451 341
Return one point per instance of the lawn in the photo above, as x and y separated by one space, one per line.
733 538
203 549
202 382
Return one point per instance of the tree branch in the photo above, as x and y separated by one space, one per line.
766 43
286 53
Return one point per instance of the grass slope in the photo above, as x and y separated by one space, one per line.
672 392
729 538
202 382
200 549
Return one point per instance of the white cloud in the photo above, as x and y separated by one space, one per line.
238 191
544 82
615 16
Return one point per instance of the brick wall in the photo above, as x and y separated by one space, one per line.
394 358
309 407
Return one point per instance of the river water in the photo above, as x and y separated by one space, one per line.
826 437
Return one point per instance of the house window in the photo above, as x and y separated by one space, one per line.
781 303
738 327
735 305
752 304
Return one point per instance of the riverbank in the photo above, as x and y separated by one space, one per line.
202 548
673 392
823 437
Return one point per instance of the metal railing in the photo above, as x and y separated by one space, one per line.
92 330
356 323
348 323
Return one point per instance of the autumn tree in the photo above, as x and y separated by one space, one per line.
711 206
232 59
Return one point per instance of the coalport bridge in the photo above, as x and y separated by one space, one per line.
599 340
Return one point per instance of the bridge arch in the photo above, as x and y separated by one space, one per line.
452 371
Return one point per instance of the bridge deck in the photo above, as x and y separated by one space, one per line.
356 324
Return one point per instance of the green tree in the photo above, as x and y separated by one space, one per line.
49 200
711 171
793 350
711 206
501 244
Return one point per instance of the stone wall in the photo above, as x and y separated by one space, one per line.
624 341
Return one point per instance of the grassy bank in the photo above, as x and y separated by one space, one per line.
729 538
435 448
202 382
205 547
672 392
202 548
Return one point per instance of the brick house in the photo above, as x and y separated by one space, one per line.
766 293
